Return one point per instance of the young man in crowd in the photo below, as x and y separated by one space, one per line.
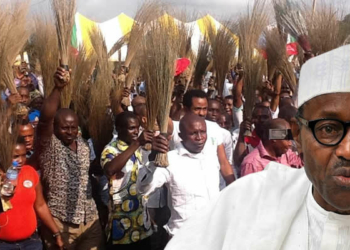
228 102
64 159
27 132
275 145
192 176
196 102
213 114
129 226
245 145
304 208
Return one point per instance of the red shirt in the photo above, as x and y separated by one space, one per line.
20 223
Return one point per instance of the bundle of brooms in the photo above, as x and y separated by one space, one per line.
45 43
143 18
13 36
291 17
250 27
202 63
277 58
84 67
64 13
324 28
13 30
160 49
223 47
100 123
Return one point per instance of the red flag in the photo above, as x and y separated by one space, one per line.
181 65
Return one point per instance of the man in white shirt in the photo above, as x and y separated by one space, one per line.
285 208
195 101
192 177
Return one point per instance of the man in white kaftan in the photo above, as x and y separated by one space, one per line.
285 208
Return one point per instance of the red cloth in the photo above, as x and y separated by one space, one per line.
253 140
292 49
20 222
181 65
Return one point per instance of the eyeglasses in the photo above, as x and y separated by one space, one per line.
327 132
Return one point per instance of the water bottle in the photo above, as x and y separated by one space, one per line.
10 183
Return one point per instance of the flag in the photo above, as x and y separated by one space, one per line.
292 46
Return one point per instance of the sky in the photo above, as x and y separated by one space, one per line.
103 10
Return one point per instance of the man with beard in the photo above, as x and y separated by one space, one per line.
286 208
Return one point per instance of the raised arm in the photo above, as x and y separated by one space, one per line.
51 105
241 149
238 92
151 177
277 91
225 166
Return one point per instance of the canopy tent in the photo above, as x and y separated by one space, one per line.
116 28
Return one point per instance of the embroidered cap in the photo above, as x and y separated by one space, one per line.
325 74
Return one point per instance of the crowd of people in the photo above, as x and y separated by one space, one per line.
278 179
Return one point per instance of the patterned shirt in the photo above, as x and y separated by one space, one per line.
129 221
66 181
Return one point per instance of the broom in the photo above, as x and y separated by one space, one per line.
290 16
160 48
85 65
45 43
64 13
119 44
8 134
202 63
100 123
250 27
143 17
13 37
324 29
223 48
277 58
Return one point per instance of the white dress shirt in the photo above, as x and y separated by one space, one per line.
192 181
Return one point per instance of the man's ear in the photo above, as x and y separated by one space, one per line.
144 121
296 133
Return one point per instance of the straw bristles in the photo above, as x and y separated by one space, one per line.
143 17
159 53
223 47
13 36
8 135
324 29
119 44
201 63
290 16
250 28
277 58
64 13
45 43
83 70
100 122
